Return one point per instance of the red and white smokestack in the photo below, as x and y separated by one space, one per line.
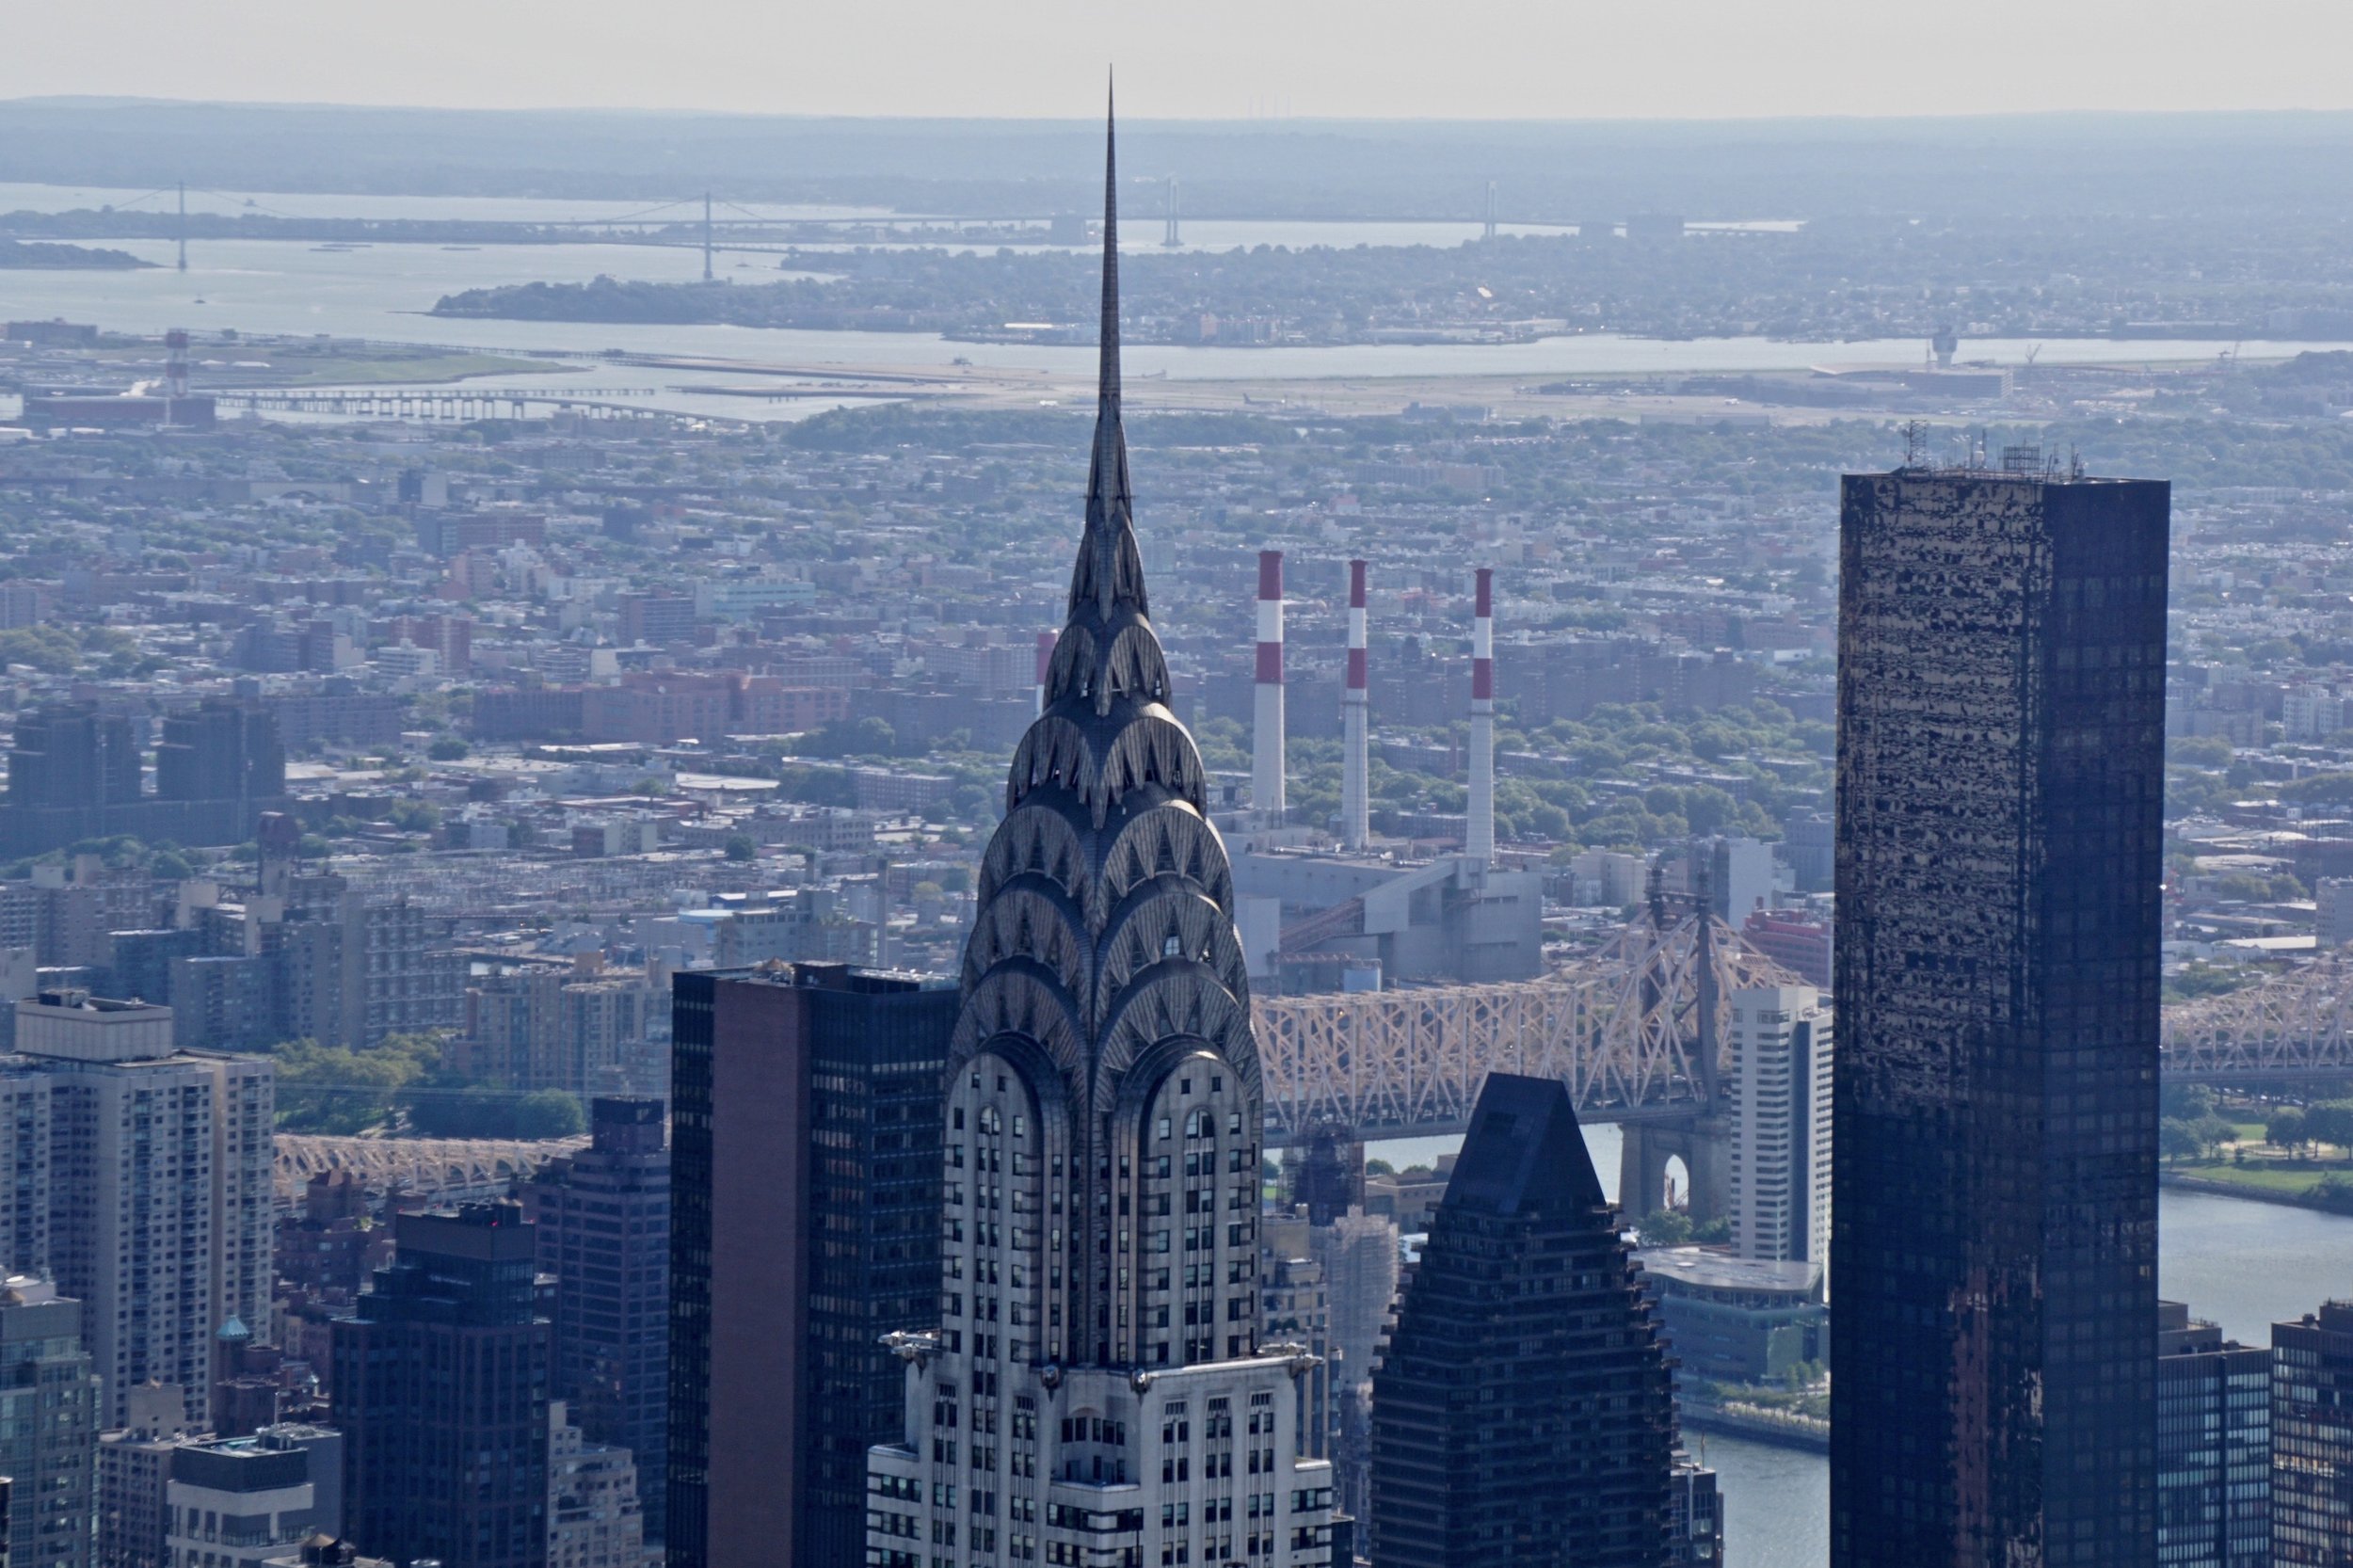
1479 833
1266 738
1045 665
176 364
1356 762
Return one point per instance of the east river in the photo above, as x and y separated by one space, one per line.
2244 1264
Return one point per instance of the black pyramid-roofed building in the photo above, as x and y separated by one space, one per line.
1523 1414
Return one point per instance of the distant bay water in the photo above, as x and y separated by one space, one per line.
381 292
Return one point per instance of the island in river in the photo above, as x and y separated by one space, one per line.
22 256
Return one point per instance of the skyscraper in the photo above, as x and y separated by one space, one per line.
1094 1383
805 1224
2312 1439
1523 1415
2213 1446
602 1220
48 1424
1781 1098
153 1170
441 1392
2001 710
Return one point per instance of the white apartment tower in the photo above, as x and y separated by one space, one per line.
1781 1043
1096 1395
141 1183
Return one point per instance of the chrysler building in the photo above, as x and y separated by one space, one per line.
1095 1395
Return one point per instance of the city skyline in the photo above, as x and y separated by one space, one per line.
724 842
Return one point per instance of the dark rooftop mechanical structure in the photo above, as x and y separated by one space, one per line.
1523 1415
2001 712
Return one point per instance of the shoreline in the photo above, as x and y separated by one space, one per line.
2214 1188
1799 1432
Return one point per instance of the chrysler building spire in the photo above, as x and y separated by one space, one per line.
1098 1311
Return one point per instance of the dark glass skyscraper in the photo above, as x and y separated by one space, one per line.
2001 771
2312 1439
441 1392
805 1224
2213 1446
602 1218
1523 1416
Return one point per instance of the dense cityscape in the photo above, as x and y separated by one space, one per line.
624 955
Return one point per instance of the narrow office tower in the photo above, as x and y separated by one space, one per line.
2001 774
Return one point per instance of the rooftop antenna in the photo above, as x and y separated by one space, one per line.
1916 436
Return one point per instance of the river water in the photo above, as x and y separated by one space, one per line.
1144 230
380 291
2243 1265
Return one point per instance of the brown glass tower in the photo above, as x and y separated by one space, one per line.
2001 774
804 1224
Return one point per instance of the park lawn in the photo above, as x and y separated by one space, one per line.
2260 1177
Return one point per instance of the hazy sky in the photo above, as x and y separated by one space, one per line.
1507 58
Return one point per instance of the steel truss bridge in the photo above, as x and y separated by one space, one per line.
1623 1028
425 404
429 1167
1620 1029
2294 1026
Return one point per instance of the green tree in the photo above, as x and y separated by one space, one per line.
448 749
1664 1228
2186 1102
2330 1121
337 1089
2285 1129
866 737
741 847
548 1113
2177 1140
